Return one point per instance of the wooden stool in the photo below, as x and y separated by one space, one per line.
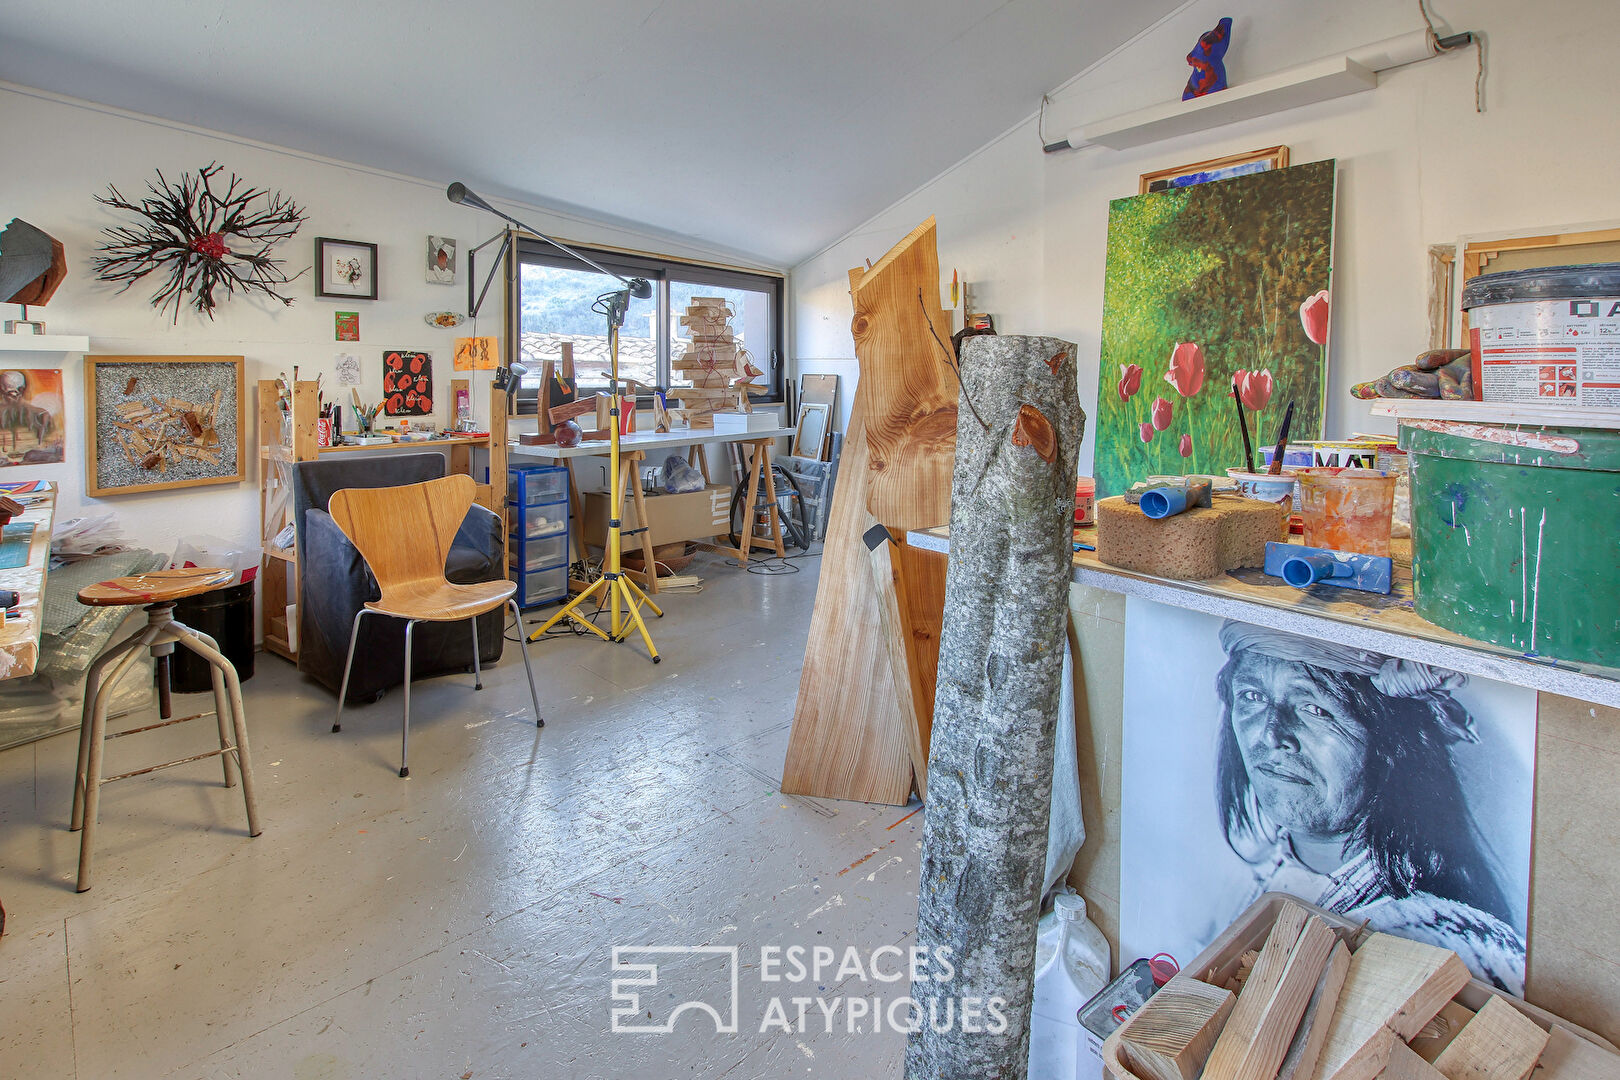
156 591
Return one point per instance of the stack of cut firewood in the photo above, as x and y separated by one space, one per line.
1306 1006
719 369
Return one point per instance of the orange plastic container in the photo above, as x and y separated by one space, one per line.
1347 509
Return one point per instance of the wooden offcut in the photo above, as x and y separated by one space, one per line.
1393 988
1407 1064
1570 1057
1273 998
1439 1031
1306 1048
887 588
1499 1043
907 389
1170 1036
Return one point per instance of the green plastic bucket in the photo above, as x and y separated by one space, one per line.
1519 547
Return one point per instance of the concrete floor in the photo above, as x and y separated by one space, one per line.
461 923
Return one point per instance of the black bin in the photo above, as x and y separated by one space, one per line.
226 615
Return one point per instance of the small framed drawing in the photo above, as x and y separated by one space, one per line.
345 269
159 422
441 260
812 433
1225 168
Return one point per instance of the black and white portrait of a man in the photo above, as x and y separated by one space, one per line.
1382 789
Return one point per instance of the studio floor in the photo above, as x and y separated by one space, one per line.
461 923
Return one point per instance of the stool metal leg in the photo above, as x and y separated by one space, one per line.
233 686
405 728
221 707
478 676
92 683
92 776
523 647
343 691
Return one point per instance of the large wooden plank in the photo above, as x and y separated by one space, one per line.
1170 1036
847 740
1393 988
887 587
1569 1057
1499 1043
920 579
908 389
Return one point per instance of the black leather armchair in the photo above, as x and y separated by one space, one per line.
334 582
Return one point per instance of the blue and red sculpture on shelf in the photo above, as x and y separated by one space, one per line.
1207 60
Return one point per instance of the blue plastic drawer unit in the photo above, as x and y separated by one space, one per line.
538 512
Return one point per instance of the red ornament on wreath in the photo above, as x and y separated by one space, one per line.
407 383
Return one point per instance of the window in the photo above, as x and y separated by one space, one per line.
555 294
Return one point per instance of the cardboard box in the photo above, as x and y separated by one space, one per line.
694 515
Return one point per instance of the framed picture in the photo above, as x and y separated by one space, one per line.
345 269
1223 168
407 383
812 433
441 260
160 422
33 421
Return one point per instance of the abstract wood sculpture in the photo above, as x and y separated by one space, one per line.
722 372
850 739
996 703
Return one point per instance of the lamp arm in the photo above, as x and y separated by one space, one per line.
458 193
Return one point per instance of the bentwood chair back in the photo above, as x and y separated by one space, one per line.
404 534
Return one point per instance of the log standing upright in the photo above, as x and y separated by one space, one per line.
1000 672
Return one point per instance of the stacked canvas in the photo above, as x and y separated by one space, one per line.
718 368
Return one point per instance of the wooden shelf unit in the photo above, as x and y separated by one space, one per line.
278 568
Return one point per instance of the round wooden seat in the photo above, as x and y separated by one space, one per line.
155 587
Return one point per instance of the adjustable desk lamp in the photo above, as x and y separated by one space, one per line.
613 582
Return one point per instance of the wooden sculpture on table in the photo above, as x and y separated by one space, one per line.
860 722
722 372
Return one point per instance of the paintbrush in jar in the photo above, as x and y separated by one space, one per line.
1282 442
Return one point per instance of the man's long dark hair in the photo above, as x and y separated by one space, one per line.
1414 821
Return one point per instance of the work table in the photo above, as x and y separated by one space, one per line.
1385 624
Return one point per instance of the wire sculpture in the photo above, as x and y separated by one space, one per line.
187 230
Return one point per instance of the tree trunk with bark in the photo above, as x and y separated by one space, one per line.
1018 435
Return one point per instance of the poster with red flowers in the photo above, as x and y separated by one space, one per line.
1213 292
407 383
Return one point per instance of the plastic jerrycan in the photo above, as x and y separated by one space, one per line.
1071 966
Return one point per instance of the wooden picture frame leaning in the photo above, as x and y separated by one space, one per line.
181 420
820 417
1273 157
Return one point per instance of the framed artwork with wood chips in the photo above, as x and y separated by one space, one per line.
161 422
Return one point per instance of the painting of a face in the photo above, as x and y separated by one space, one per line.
1303 748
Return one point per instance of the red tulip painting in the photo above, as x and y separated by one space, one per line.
1313 316
1160 414
1222 284
1130 381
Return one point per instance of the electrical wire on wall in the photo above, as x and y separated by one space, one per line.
1438 44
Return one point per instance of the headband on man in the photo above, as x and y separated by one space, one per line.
1390 676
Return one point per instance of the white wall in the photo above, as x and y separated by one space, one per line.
1417 166
61 153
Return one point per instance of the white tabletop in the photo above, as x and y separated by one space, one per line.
646 440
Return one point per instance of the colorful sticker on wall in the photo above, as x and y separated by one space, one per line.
348 369
1208 286
348 326
31 416
476 353
407 383
441 260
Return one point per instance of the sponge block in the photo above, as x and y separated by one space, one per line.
1198 543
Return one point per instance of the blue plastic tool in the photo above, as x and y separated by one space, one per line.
1303 567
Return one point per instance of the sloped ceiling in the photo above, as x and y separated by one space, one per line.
761 127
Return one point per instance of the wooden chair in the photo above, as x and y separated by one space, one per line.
404 534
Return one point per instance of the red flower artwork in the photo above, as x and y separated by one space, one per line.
1161 413
1313 316
1254 388
1185 446
1130 380
1186 372
1146 431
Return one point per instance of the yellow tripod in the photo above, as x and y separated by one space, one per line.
623 597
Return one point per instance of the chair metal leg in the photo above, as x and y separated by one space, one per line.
478 676
405 728
222 707
92 775
92 683
233 686
343 691
523 647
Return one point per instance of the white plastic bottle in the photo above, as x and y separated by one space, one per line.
1071 966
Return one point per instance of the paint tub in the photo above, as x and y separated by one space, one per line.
1265 487
1546 334
1085 501
1347 509
1518 546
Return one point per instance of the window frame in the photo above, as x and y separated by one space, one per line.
659 270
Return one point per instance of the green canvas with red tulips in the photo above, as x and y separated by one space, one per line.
1211 291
